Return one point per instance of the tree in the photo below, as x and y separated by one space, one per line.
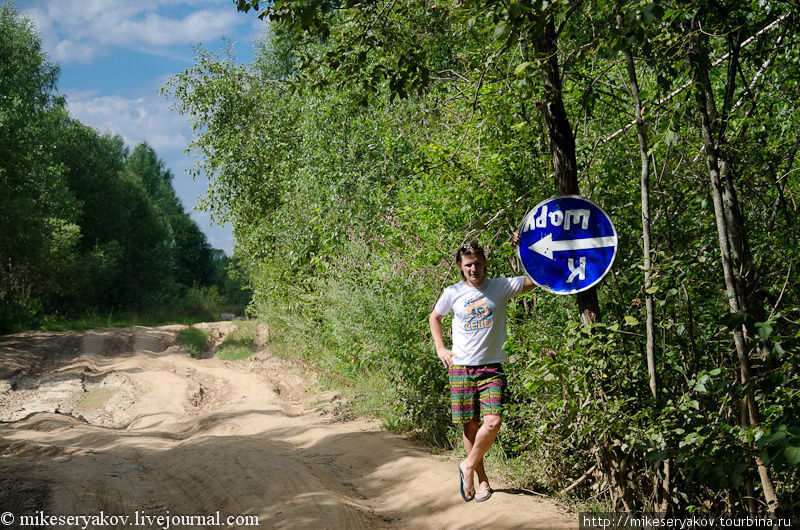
406 64
156 178
739 271
37 214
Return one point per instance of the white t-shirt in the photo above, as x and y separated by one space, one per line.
479 318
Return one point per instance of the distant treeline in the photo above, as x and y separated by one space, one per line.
85 223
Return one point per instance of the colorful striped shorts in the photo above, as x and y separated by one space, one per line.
476 391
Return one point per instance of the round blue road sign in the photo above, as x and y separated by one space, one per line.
568 244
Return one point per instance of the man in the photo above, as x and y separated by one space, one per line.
477 380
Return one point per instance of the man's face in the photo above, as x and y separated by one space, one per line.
473 268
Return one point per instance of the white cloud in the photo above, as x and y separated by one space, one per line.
163 31
77 31
136 120
149 119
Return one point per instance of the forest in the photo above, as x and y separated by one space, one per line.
369 139
88 226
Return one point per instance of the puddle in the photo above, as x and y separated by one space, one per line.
94 399
97 400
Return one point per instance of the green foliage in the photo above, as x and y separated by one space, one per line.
93 318
238 344
347 201
195 339
87 226
37 215
202 303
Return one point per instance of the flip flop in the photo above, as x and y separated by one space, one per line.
461 486
488 491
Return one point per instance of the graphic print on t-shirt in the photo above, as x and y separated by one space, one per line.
479 314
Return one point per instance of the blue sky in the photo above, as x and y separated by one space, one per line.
116 54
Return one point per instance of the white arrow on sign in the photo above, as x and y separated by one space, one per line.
546 246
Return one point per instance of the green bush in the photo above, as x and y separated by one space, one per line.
238 344
204 303
195 339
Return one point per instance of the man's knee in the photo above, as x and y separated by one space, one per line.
492 422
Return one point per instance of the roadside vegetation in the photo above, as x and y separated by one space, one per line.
365 143
239 344
195 339
91 230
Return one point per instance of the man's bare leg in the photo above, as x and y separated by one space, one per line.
477 441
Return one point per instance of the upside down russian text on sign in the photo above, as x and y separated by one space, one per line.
567 244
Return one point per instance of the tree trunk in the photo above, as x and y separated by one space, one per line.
641 130
562 144
662 492
746 277
698 57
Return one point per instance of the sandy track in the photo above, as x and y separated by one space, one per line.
125 421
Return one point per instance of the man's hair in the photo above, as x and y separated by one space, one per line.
470 249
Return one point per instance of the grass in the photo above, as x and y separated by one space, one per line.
238 345
194 339
368 393
368 396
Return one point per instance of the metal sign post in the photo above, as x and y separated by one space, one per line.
568 244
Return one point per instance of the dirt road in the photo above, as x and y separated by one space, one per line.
125 422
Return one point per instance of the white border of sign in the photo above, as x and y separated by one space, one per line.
585 287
